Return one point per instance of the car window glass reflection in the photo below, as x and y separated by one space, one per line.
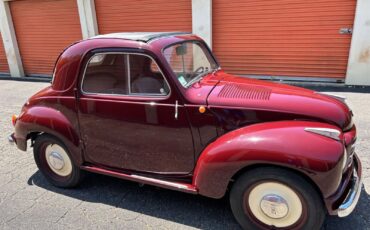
145 76
125 74
106 74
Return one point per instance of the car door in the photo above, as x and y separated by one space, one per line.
130 118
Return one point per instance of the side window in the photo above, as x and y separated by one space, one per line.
106 74
145 76
125 74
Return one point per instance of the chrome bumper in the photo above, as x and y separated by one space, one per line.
11 139
353 195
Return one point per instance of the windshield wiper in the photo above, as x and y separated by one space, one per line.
192 81
200 77
197 78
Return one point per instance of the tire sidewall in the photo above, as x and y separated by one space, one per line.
311 200
39 147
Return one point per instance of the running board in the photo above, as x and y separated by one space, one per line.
188 188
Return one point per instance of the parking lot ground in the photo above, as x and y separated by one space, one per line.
28 201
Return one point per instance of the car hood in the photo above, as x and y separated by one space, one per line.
245 93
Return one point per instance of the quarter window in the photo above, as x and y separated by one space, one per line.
124 74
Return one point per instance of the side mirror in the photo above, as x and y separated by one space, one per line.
181 50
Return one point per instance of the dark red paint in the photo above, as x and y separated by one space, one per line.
200 152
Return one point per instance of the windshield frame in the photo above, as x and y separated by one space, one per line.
202 44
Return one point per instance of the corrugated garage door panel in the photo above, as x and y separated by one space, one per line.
144 15
283 37
4 68
44 29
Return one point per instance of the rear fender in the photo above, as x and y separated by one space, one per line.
283 143
40 119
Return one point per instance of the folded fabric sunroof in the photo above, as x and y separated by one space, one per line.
140 36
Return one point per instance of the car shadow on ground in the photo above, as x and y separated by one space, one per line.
190 210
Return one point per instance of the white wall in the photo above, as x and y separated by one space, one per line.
86 11
202 19
358 70
10 41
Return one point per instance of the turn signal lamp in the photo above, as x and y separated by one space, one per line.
14 119
202 109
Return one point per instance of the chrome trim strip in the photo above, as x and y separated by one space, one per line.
189 188
128 73
176 110
353 196
326 132
167 183
136 102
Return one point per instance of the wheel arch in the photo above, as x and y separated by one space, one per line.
38 120
276 181
271 165
75 151
283 144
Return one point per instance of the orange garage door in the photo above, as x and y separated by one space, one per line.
144 15
44 28
283 37
3 62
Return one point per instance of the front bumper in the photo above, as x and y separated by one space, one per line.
20 142
344 201
11 139
353 195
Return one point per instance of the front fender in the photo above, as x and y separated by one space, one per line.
49 120
283 143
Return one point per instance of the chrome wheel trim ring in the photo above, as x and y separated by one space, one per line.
275 204
58 160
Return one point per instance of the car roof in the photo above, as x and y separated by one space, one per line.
140 36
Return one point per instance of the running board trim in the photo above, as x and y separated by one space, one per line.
188 188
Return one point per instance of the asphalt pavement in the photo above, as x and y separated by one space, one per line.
28 201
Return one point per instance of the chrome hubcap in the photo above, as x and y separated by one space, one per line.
56 160
274 206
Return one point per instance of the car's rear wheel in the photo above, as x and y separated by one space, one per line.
55 162
275 198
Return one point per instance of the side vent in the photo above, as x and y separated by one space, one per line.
240 91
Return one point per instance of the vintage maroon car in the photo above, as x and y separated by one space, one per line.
156 108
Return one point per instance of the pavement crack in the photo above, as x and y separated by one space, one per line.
67 211
62 216
35 201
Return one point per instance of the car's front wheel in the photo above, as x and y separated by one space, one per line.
275 198
55 162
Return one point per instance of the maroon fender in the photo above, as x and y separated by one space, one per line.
42 119
283 143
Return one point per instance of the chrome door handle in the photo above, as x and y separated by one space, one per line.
176 110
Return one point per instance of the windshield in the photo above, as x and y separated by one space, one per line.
190 61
